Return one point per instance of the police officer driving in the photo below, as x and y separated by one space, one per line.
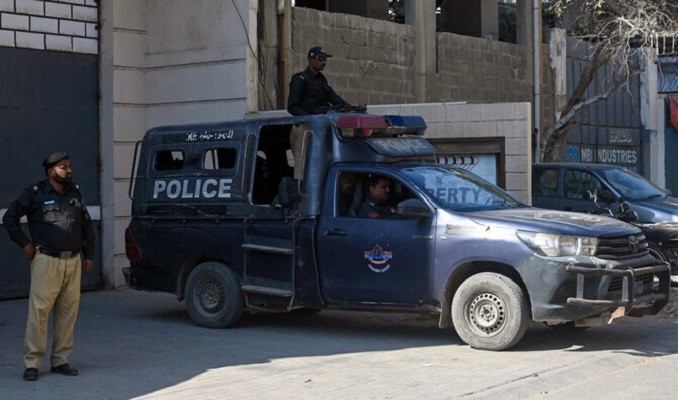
60 229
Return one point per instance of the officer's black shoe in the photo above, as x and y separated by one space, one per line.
65 369
31 374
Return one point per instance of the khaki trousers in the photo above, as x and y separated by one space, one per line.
55 283
298 150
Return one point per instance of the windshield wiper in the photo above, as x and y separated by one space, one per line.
654 196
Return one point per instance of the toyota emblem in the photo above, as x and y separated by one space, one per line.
633 244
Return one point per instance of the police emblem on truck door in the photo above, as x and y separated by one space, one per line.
192 188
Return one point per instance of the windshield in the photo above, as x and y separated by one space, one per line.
631 185
460 190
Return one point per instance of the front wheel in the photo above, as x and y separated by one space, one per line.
213 297
656 252
489 312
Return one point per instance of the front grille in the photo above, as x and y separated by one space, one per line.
616 283
621 247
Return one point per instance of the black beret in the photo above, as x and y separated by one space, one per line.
318 51
54 158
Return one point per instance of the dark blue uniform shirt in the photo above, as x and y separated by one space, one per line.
57 221
311 94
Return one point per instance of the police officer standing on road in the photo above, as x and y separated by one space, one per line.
60 228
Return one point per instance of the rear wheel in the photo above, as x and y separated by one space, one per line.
213 297
490 312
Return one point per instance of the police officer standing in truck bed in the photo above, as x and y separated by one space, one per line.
310 93
60 228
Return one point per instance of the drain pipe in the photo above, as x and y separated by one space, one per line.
536 50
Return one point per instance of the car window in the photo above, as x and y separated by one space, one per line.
353 195
578 184
544 182
168 160
630 185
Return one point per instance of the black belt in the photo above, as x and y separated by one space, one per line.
56 253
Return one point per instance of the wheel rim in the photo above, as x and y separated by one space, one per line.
487 314
210 296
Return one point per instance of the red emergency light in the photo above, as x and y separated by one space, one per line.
360 125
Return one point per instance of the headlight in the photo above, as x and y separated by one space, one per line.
559 245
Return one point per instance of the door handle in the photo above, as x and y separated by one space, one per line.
336 232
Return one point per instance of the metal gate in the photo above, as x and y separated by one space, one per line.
48 102
607 131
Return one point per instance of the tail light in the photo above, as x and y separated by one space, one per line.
131 248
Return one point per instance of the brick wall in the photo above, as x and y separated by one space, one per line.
373 60
64 25
374 63
481 70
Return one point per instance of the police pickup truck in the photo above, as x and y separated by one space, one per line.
219 220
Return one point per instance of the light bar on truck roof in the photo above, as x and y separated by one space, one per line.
390 125
407 121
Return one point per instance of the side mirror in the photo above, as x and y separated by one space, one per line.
412 208
607 196
629 216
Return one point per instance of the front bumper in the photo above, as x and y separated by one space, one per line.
635 297
575 289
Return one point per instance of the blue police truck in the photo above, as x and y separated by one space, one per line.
219 219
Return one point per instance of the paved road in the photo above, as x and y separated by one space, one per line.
142 345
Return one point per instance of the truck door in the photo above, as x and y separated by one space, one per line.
374 257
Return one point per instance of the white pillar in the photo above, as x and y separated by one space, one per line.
653 165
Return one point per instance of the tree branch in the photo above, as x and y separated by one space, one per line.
550 141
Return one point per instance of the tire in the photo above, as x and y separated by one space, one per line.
213 297
489 312
656 252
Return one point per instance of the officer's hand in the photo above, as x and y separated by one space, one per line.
87 265
29 251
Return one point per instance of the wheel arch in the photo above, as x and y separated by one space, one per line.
468 269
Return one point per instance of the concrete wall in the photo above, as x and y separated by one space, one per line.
166 62
373 60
